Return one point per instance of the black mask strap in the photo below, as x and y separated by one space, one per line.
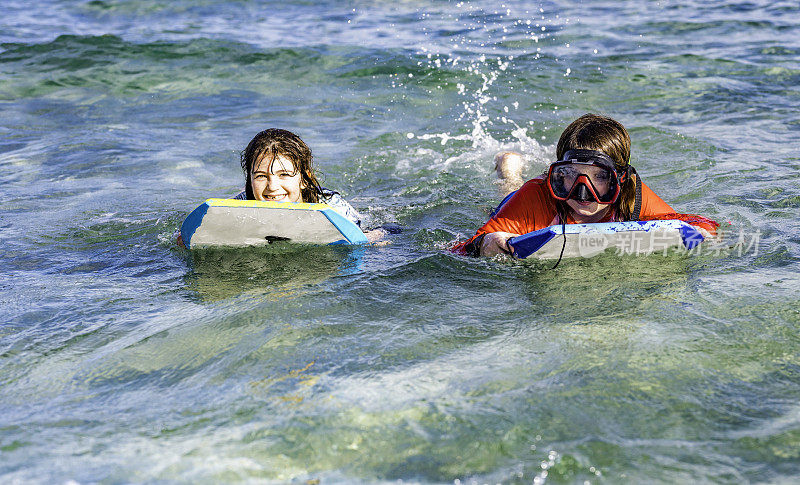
637 205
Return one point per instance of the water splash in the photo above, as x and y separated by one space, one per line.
484 54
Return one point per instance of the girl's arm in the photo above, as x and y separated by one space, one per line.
518 215
655 208
337 202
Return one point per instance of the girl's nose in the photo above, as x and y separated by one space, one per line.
272 183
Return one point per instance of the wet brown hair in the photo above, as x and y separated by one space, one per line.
604 134
272 143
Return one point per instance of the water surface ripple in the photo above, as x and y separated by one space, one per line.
124 359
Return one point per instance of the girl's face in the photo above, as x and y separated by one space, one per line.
586 212
278 181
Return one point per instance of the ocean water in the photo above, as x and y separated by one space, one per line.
124 359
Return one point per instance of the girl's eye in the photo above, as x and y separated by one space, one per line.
285 175
259 176
568 173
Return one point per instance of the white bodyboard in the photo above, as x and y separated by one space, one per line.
239 223
624 238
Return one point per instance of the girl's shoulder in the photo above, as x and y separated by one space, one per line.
326 193
535 192
337 202
536 183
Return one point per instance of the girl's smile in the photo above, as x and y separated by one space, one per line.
586 212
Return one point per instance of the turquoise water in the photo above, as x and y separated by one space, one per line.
125 359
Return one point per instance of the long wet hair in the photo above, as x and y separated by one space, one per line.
604 134
272 143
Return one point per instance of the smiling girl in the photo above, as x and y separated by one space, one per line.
278 166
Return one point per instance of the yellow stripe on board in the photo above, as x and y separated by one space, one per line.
265 203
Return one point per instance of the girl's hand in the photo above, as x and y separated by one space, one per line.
376 237
496 243
707 236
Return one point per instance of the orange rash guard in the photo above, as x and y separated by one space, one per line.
532 208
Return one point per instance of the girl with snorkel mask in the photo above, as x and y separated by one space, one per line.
592 181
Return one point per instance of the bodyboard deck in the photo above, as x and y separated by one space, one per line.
239 223
587 240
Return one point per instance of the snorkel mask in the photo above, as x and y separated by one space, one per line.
585 176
